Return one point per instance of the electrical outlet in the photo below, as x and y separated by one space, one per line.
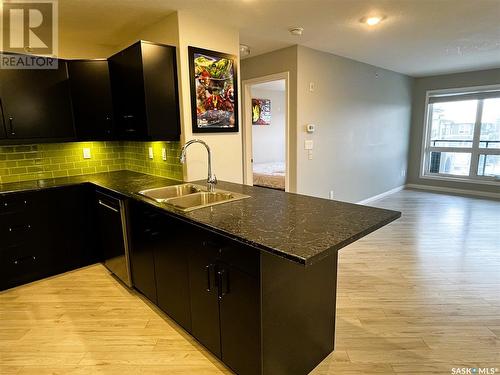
86 153
311 86
310 154
150 152
164 153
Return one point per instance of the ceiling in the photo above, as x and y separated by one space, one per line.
418 37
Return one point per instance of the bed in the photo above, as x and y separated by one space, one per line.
271 175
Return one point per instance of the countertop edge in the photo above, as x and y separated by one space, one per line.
286 256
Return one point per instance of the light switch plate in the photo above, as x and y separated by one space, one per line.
308 144
164 153
150 152
86 153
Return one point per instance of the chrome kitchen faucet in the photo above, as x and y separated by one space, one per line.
211 179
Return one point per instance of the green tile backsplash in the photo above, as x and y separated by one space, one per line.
136 155
48 160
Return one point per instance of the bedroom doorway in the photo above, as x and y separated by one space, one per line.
266 131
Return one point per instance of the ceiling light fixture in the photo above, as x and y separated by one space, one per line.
296 31
373 20
244 50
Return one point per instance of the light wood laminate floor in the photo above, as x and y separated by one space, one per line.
420 296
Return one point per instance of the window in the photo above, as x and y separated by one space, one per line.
462 135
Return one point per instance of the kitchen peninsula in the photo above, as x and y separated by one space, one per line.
253 280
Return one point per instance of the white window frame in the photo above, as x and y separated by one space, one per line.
475 151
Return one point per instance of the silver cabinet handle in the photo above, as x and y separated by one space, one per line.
107 206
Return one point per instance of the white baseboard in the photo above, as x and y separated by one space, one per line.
382 195
475 193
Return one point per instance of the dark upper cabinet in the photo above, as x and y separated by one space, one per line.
2 122
145 94
36 103
91 97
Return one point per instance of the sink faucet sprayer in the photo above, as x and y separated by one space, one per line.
211 180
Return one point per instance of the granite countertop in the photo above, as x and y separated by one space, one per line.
297 227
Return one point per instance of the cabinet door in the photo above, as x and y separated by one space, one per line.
160 88
143 240
172 239
239 320
127 85
91 98
2 120
36 103
70 218
204 296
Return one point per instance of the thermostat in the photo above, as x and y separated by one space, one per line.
310 128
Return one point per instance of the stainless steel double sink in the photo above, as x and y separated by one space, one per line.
188 197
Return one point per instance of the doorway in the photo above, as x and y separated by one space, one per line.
266 127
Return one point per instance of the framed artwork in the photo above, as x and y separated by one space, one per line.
214 96
261 112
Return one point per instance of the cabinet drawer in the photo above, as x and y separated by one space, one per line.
21 263
17 233
14 203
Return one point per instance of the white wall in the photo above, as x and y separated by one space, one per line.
183 29
362 118
226 147
268 141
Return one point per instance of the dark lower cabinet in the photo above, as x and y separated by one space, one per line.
24 245
159 260
208 284
71 233
142 263
239 309
171 267
225 301
204 297
43 233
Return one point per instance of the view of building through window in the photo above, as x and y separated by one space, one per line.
464 137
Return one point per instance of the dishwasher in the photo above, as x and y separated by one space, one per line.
113 236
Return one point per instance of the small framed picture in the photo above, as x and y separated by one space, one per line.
261 112
214 95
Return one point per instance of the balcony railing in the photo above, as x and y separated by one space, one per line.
434 141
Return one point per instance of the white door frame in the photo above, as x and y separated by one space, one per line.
247 125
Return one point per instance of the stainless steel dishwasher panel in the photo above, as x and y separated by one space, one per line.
113 236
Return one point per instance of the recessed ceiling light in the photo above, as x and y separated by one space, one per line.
296 31
372 20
